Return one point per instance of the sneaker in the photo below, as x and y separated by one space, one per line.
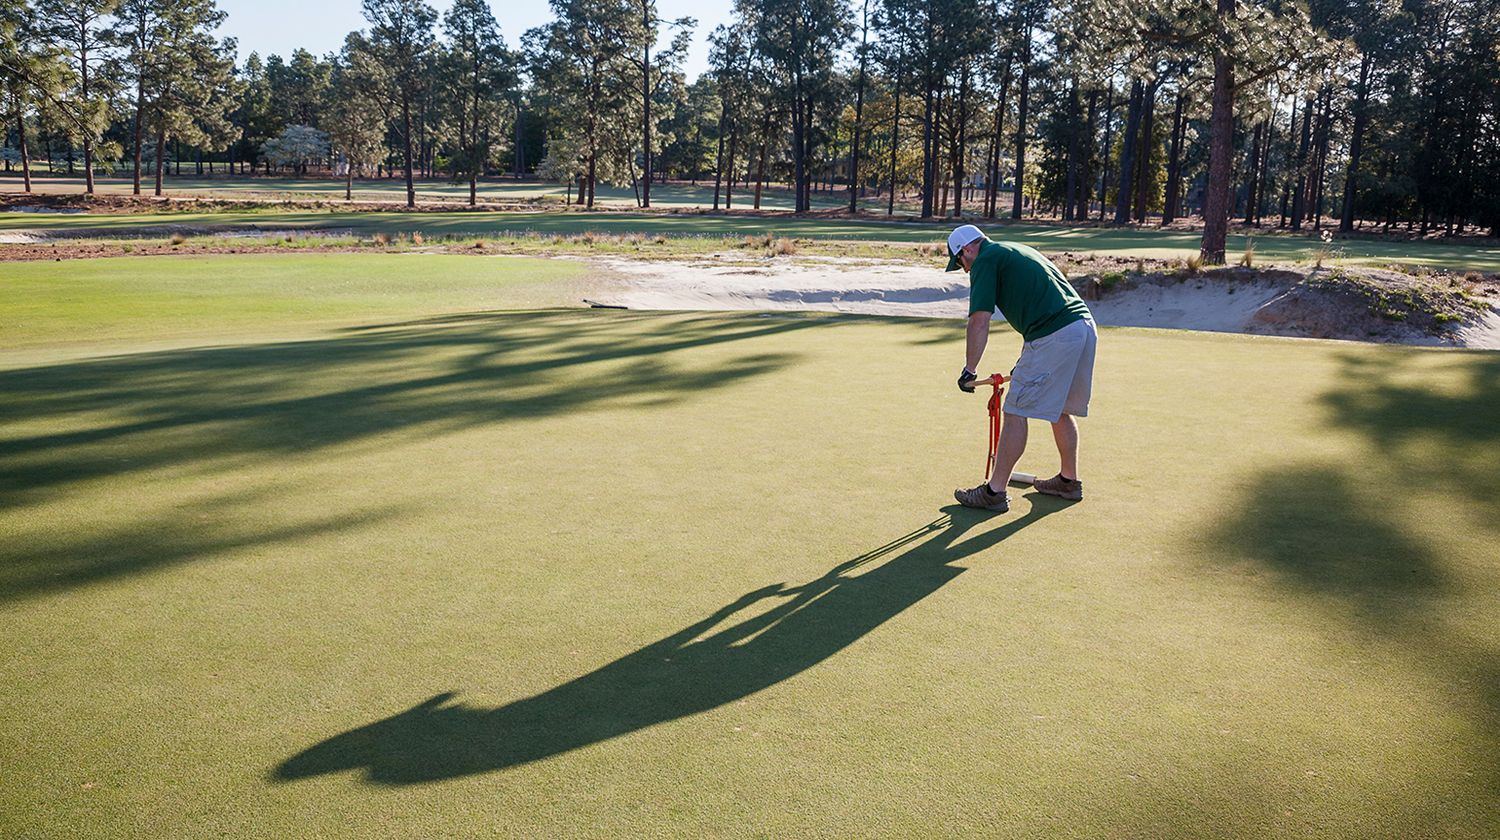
984 498
1062 487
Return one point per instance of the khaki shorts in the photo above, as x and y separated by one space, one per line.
1055 374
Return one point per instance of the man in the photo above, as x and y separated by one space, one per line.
1052 379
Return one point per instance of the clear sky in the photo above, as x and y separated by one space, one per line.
281 26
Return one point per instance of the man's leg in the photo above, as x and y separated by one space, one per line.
1012 444
1065 432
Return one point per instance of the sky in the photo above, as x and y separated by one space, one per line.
281 26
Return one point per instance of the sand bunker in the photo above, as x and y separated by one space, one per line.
1274 303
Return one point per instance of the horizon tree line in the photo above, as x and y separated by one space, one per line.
1326 113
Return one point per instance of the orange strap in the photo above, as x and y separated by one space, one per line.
996 403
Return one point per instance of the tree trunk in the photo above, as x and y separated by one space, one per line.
993 206
140 106
1321 169
646 103
1252 181
411 187
1171 206
1109 107
1299 205
1075 105
1082 200
161 152
1143 150
859 114
1356 143
890 208
956 158
1128 153
800 174
928 114
88 139
734 137
1023 102
25 155
719 158
760 171
1220 152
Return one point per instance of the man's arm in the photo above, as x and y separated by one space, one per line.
978 337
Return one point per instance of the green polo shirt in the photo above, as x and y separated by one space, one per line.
1026 287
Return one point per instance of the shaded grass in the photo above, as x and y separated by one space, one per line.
600 573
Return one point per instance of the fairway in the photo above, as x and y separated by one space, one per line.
1052 239
405 550
394 190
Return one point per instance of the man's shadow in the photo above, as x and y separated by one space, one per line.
705 665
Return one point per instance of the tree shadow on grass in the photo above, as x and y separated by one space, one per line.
38 564
218 408
703 666
75 421
1339 533
1446 438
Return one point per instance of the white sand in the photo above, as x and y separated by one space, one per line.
886 288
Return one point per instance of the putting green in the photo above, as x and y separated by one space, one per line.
1132 243
555 572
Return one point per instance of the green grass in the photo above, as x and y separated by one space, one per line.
1126 243
552 572
107 301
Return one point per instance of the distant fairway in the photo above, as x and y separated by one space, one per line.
348 545
1130 243
394 189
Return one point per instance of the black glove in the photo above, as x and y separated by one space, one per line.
966 381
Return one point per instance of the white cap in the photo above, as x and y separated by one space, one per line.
961 236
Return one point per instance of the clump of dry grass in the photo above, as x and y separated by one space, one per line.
1140 266
178 239
1248 259
661 239
417 238
382 239
1194 264
784 247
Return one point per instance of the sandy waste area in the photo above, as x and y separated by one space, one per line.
1275 305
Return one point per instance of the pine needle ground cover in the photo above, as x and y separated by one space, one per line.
482 570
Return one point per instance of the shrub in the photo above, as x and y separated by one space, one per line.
1111 278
